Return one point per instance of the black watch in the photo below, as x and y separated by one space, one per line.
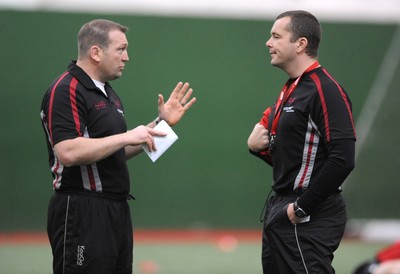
298 211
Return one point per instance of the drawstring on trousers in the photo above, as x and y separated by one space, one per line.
264 209
299 248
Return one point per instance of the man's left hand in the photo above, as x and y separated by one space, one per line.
176 106
292 217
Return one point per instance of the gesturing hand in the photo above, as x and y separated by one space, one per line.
176 106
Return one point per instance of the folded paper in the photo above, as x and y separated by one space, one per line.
162 143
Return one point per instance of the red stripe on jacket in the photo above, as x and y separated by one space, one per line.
323 103
344 99
51 106
74 107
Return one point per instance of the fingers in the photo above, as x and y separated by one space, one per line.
184 102
189 104
150 138
160 100
261 129
177 104
144 135
186 97
177 89
182 92
258 139
154 132
150 143
179 92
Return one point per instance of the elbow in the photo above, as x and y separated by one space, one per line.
67 159
342 155
349 163
349 168
65 153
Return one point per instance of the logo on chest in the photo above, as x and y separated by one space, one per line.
115 105
288 109
290 102
100 105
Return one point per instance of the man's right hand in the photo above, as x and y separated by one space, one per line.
144 135
258 139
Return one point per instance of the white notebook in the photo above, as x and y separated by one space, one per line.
162 142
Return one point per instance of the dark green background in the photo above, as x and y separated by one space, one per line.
207 179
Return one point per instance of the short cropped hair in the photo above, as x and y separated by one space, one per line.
304 24
96 32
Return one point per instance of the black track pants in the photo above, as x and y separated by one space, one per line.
302 248
90 235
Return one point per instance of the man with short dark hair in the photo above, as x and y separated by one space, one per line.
308 138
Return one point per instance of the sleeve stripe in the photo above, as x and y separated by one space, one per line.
74 107
323 103
51 106
344 99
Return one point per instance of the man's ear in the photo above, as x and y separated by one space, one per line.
96 53
302 44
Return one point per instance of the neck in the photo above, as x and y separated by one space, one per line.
89 69
297 69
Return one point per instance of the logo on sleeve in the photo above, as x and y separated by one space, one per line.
117 103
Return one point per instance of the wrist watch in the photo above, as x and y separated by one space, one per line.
298 211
